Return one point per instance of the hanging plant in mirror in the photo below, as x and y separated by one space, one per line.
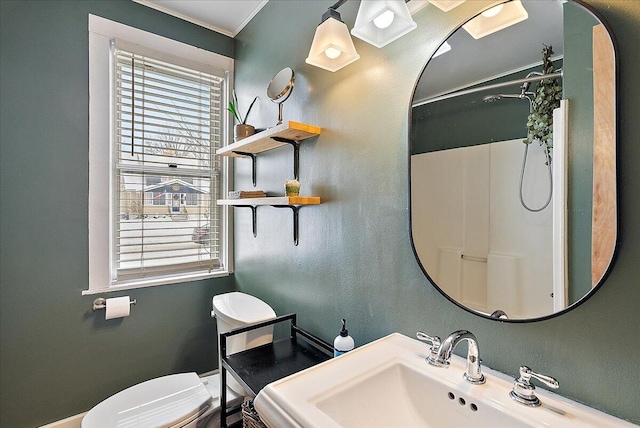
547 98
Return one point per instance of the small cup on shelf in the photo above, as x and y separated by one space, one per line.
292 188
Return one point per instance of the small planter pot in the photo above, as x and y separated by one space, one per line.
243 131
292 188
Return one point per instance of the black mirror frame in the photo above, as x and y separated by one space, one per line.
617 134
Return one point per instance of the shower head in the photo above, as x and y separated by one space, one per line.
496 97
522 96
491 98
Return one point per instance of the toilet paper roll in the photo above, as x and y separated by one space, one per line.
117 307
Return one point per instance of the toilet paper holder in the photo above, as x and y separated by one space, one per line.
101 303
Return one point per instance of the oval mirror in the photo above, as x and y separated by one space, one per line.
513 160
280 88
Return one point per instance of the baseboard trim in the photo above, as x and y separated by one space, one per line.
212 372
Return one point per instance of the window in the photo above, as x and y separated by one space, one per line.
153 217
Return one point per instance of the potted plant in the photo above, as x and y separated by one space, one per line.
242 130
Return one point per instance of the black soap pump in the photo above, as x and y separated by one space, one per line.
343 342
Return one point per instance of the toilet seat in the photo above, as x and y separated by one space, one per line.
240 309
168 401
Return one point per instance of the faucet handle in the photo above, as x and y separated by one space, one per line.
434 340
526 374
523 390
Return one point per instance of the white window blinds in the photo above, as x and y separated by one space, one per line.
167 124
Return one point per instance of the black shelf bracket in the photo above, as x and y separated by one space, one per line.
296 158
253 165
295 210
254 214
296 154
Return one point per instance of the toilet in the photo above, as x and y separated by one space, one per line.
185 400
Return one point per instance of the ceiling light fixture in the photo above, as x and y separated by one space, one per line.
380 22
482 25
332 47
493 11
446 5
384 19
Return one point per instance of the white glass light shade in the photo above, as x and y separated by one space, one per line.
370 21
446 5
493 11
512 13
332 36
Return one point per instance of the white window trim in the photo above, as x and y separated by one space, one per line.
101 32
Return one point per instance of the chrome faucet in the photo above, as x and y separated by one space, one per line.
440 355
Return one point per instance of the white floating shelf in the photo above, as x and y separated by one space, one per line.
263 141
273 200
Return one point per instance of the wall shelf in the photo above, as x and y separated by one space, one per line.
287 133
263 141
272 200
292 202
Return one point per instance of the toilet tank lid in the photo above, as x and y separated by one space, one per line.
241 309
160 402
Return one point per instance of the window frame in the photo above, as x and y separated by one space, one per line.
102 33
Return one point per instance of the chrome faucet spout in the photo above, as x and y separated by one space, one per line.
473 373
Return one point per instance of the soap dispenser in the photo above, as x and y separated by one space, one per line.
343 342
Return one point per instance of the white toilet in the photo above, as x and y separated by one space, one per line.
186 400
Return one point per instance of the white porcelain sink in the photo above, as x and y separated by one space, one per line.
387 383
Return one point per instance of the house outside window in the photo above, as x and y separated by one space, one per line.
166 120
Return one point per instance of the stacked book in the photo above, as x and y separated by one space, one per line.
241 194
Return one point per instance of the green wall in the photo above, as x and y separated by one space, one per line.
355 260
467 120
57 357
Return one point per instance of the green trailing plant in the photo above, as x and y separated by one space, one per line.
547 98
234 108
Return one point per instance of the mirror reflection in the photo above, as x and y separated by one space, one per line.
512 145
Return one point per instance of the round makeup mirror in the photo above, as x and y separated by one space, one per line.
280 88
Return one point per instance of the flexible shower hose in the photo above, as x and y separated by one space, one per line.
524 164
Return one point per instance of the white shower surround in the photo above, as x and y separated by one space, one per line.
483 218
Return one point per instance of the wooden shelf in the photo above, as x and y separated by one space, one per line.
273 200
263 141
288 133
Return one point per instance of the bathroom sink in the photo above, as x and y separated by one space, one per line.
387 383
